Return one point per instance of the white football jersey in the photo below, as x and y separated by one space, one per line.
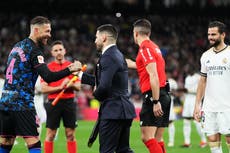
173 86
216 66
191 83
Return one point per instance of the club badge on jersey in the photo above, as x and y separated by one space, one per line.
40 59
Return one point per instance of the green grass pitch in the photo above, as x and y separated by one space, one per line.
84 128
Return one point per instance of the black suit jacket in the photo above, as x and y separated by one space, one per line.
112 85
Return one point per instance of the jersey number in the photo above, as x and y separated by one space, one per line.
9 71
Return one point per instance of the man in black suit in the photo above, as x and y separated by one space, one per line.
116 112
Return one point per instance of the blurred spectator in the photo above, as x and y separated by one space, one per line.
182 38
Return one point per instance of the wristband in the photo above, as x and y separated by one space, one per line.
154 101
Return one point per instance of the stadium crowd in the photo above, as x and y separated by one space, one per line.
182 40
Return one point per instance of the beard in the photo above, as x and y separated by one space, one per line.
42 41
216 43
99 47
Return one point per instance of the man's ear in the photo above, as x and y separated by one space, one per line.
36 30
136 33
223 34
104 37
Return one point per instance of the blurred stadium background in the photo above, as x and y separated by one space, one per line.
179 27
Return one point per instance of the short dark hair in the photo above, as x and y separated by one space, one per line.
57 42
221 26
39 20
110 29
144 25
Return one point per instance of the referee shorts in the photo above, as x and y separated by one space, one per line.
18 123
65 109
147 117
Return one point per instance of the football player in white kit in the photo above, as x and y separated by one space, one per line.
191 82
39 105
172 116
214 88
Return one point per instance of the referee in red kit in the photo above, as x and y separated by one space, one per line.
65 108
154 115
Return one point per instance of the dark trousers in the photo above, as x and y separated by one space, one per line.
114 136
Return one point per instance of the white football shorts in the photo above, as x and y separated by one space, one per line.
215 122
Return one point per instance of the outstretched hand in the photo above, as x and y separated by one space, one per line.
75 67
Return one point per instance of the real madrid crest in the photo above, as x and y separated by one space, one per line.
225 60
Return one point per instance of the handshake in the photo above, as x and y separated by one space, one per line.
76 66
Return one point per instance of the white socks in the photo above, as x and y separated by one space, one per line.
171 131
187 131
216 150
215 147
202 135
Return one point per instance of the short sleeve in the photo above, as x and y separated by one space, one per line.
203 70
147 55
